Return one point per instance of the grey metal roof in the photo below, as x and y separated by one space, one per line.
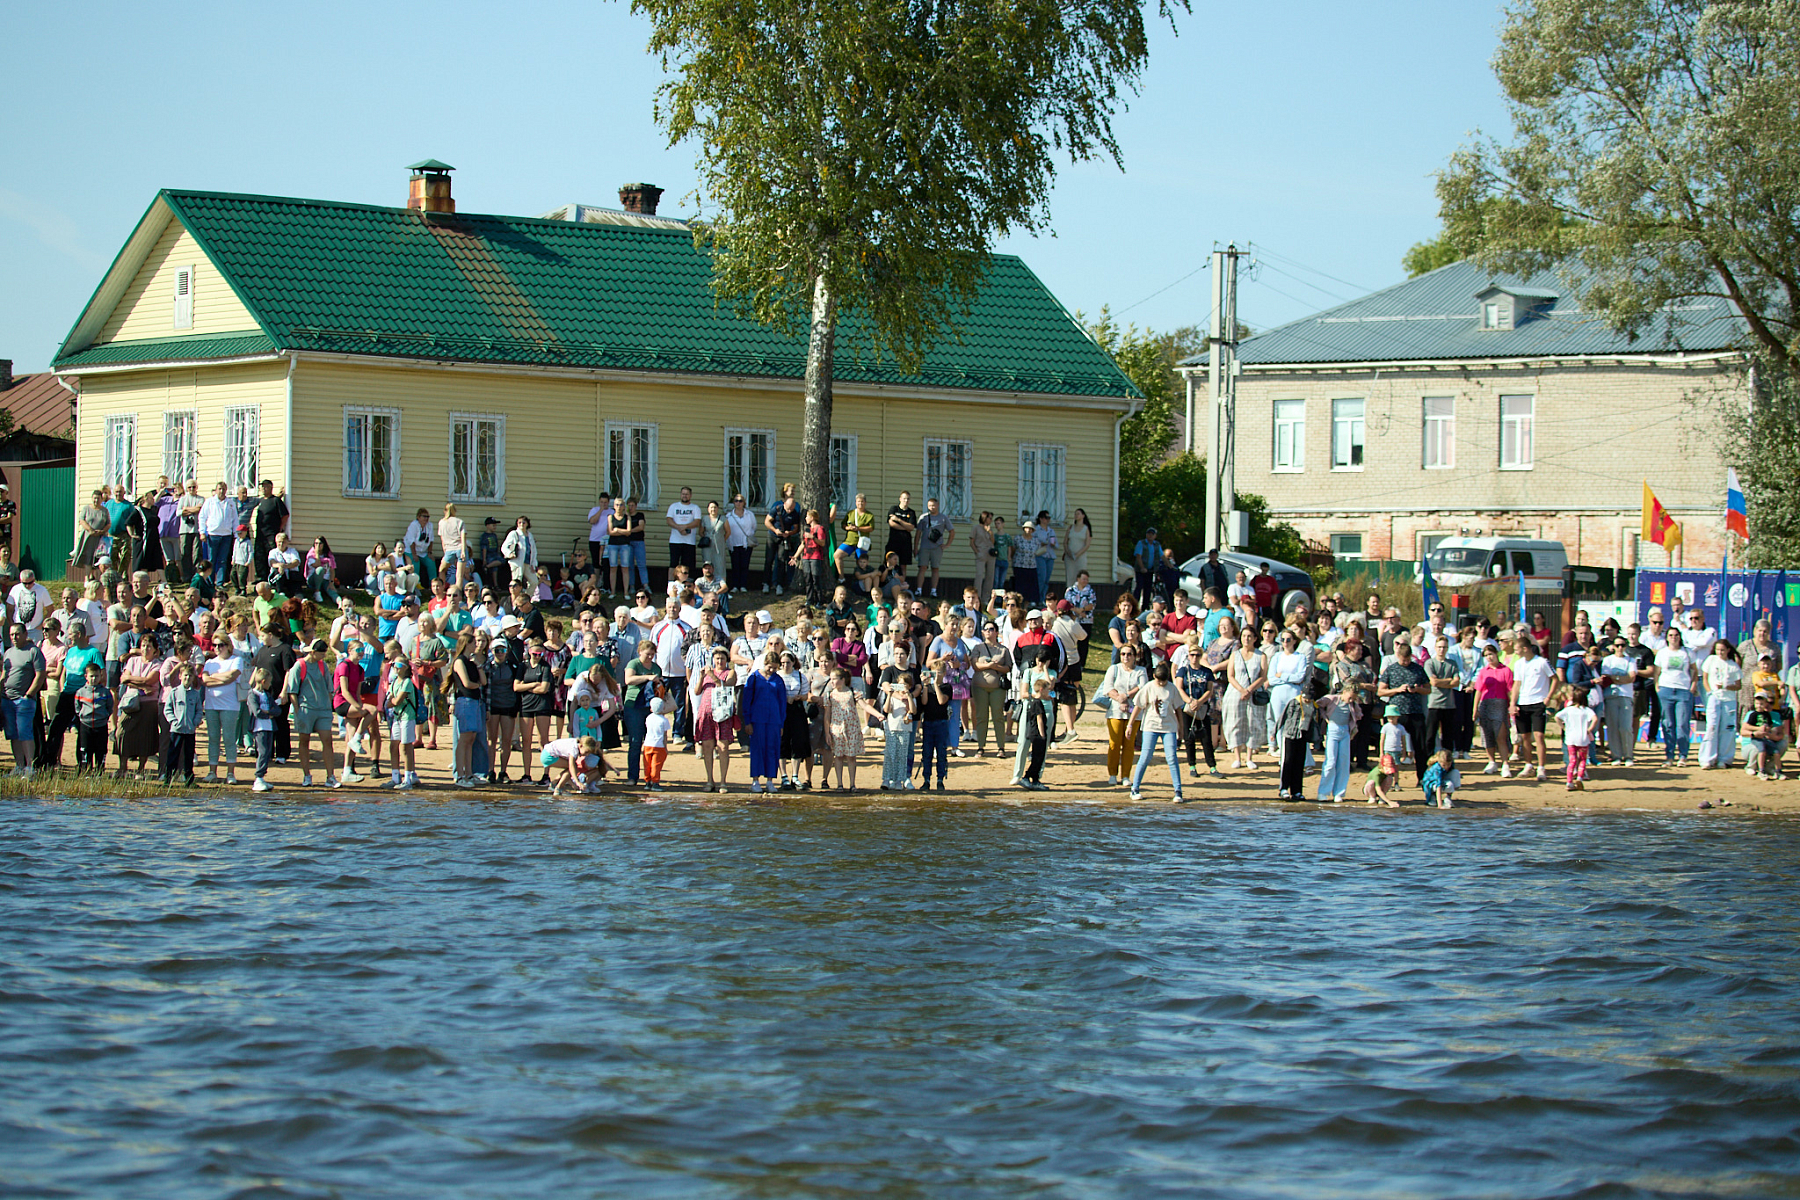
1435 316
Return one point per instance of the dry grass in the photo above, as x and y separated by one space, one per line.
65 784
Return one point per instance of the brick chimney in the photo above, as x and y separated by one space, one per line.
640 198
429 189
6 378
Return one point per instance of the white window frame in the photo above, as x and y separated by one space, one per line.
846 442
181 454
936 489
183 317
119 456
241 461
369 493
1034 500
1357 452
737 480
1524 434
1296 432
473 420
648 497
1437 433
1360 543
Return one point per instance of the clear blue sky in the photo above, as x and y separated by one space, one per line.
1311 129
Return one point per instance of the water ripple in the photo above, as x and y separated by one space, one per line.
929 1000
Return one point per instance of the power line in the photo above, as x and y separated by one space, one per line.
1159 291
1261 249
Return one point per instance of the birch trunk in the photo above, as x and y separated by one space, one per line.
815 437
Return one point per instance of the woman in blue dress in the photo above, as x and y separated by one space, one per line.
764 712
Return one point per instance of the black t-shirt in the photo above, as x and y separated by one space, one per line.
1646 657
278 658
891 675
270 512
836 618
530 703
618 529
534 621
899 537
635 522
934 709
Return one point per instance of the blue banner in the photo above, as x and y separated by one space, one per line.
1724 599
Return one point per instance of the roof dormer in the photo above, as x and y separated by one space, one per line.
1506 306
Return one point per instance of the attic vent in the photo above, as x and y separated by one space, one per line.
184 297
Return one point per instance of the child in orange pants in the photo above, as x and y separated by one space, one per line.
656 743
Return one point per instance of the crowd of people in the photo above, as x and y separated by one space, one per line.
196 620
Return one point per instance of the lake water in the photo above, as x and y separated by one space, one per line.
447 998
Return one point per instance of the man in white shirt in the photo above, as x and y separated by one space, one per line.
1533 677
1697 637
29 604
406 629
218 529
748 649
740 536
670 636
1653 636
684 531
597 532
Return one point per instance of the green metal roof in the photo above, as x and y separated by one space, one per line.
201 348
360 279
431 164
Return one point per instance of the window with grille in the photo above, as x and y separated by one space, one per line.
843 470
477 458
371 452
180 460
750 466
947 475
1440 432
1041 479
1516 447
631 461
120 457
1290 435
1346 435
242 450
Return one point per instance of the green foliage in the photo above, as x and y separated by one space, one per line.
1761 438
1148 359
1440 251
859 158
1171 496
1270 538
1656 157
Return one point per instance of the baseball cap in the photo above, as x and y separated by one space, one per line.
764 617
1036 614
319 646
1063 606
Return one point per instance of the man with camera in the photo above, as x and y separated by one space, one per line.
935 532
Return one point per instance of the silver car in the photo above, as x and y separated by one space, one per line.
1296 586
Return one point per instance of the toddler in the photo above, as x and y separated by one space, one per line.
657 727
1442 779
1577 721
262 724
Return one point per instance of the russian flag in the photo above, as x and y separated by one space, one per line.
1737 517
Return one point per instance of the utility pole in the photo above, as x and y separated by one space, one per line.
1222 341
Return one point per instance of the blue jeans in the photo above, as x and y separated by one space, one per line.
1147 749
1678 721
1720 745
218 553
638 576
1334 779
1045 563
1000 566
896 756
937 745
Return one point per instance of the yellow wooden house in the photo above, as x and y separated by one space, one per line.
373 360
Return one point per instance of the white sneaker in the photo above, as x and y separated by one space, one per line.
1137 795
306 781
1506 772
411 780
261 785
348 777
1541 775
392 781
27 772
331 781
1493 768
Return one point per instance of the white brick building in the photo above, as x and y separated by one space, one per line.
1464 403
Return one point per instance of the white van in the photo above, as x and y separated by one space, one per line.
1466 561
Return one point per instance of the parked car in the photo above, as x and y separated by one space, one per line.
1296 586
1466 561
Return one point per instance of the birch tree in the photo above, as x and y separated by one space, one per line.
859 158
